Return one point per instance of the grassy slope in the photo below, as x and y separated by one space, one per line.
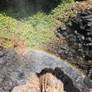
36 30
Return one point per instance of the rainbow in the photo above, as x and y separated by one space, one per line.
41 52
59 59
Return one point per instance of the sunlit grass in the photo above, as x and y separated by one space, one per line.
36 29
34 36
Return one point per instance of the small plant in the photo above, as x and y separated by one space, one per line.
69 23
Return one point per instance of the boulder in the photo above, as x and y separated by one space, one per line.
90 90
44 83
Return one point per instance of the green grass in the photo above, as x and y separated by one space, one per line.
36 29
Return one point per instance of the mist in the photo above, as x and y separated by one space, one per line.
29 7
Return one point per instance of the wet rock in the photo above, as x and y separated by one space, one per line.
87 17
1 53
18 71
90 73
89 29
2 61
89 24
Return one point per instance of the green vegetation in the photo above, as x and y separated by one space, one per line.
69 23
35 29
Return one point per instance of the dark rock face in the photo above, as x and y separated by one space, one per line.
17 69
84 27
79 42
